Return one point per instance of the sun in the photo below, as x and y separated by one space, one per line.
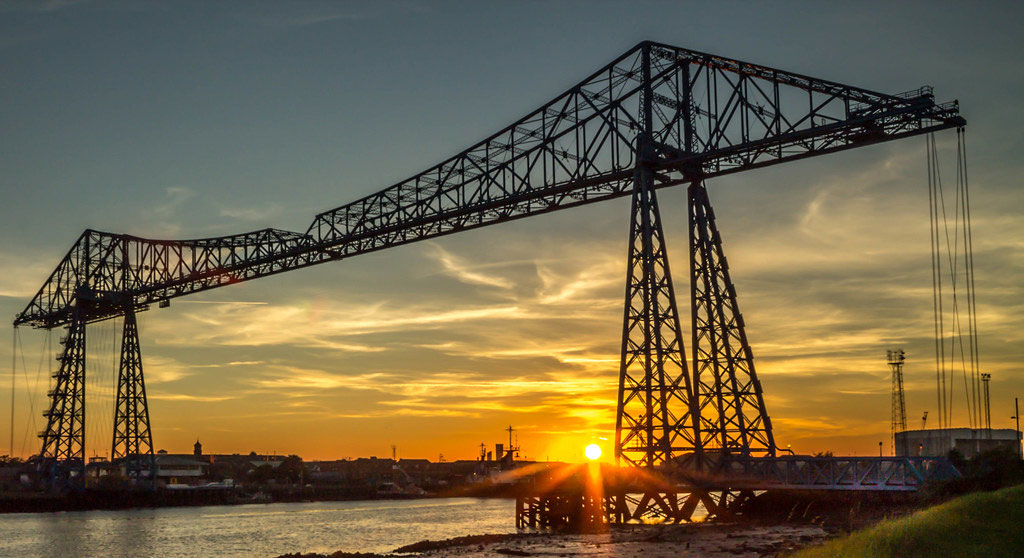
593 451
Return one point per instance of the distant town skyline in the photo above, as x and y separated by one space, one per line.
188 119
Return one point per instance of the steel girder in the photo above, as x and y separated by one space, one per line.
708 116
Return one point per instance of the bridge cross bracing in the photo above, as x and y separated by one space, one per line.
657 116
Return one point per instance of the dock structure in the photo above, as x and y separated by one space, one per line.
591 497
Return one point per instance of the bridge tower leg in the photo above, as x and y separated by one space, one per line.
667 419
63 451
653 420
655 398
730 403
133 440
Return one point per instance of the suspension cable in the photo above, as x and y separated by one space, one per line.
32 388
956 247
14 373
972 292
971 317
966 357
955 325
933 218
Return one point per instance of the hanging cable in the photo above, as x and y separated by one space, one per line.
32 388
952 258
955 329
935 289
973 393
972 293
952 246
933 217
968 358
14 373
967 257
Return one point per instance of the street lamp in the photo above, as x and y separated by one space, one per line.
1016 416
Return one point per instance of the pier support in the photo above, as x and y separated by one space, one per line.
576 511
583 511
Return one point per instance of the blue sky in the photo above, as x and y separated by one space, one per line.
183 120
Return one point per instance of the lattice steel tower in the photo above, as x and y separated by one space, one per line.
899 405
64 436
653 418
133 440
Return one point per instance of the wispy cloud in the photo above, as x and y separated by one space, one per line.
288 377
162 217
161 396
161 370
324 326
226 302
597 274
456 267
252 214
24 273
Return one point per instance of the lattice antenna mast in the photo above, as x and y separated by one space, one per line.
899 405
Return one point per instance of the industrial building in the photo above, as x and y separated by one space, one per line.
968 441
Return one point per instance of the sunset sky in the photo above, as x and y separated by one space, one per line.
186 120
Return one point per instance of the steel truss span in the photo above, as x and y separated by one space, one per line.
657 116
710 116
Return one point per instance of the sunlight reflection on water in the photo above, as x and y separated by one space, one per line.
259 530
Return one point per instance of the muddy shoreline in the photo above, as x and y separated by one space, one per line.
771 525
711 540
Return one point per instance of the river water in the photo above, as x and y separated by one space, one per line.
253 530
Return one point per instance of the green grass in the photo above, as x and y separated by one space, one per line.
983 524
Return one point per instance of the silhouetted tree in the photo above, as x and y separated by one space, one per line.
6 460
291 470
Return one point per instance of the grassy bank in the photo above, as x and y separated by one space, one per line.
983 524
